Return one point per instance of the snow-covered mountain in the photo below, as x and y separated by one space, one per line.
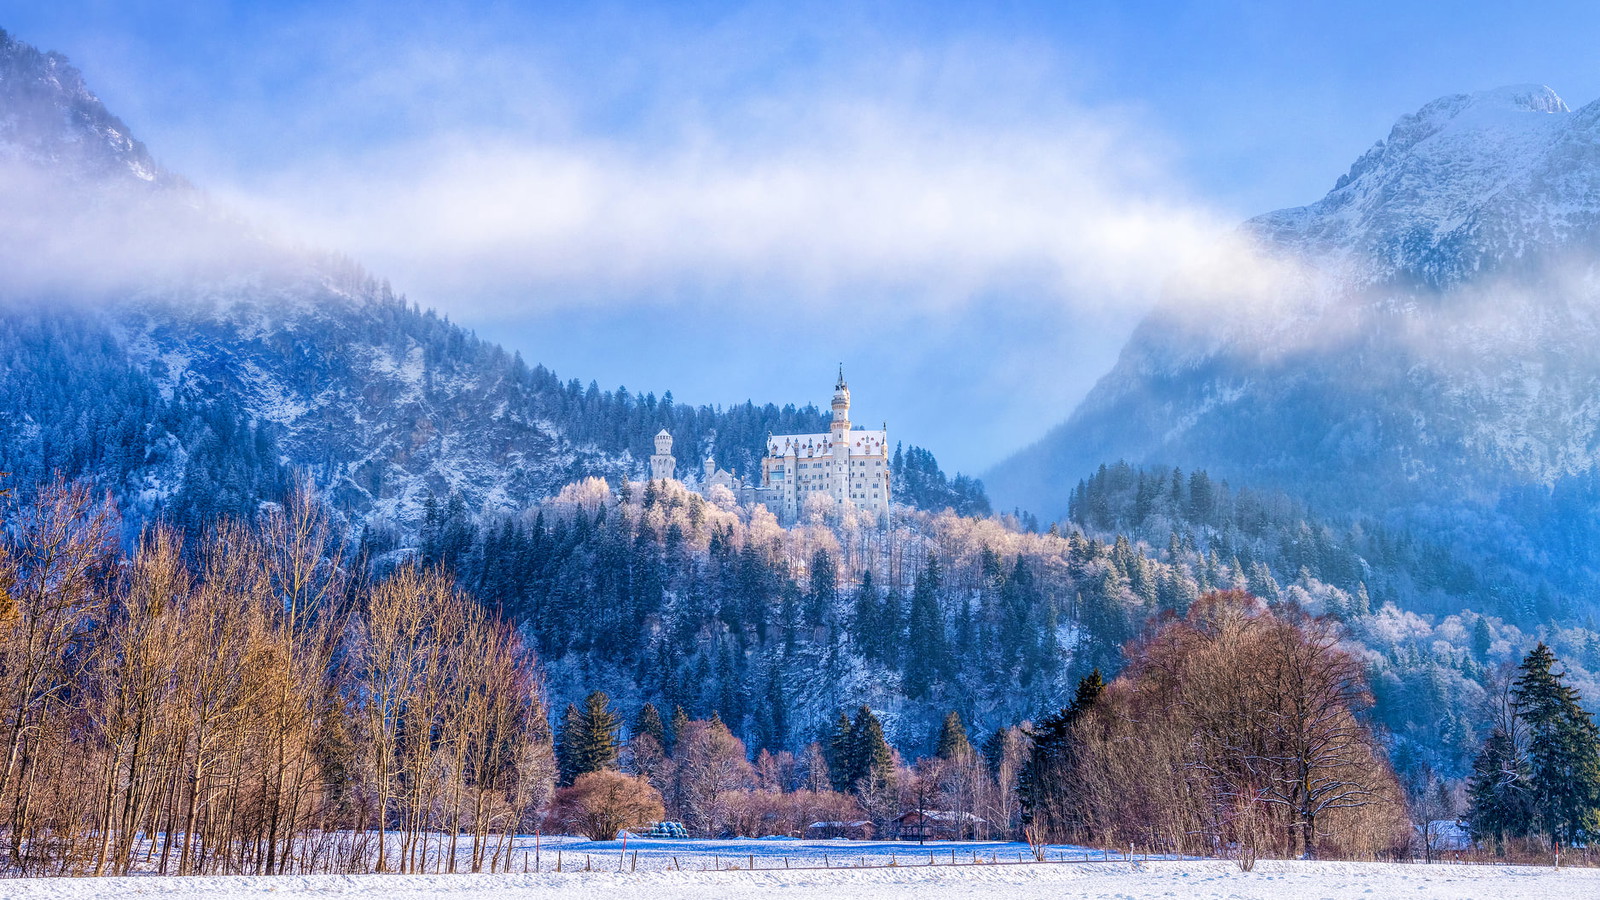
1464 186
1434 363
154 341
51 119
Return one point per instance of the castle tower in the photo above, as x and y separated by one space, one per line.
839 480
841 408
663 465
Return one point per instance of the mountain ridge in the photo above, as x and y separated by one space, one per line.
288 359
1433 368
50 111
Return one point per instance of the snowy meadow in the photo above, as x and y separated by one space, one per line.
1197 879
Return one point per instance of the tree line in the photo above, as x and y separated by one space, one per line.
1237 730
264 700
696 771
251 702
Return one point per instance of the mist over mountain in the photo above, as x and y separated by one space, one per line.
157 343
189 365
1431 366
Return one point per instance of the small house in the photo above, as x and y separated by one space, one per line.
861 830
936 825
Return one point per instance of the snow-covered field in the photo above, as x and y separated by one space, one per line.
1123 881
774 853
1196 879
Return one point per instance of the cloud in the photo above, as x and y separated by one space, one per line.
83 236
958 213
860 198
713 163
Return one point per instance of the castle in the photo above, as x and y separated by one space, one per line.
849 466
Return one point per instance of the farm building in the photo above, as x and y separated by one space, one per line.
862 830
935 825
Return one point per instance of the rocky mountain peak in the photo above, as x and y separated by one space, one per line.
52 120
1462 186
1440 370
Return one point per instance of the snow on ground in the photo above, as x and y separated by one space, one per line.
775 853
810 870
1188 879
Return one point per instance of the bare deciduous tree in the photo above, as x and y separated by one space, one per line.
1236 729
600 804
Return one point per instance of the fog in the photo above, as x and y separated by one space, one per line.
968 235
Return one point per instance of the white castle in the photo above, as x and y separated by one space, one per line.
851 467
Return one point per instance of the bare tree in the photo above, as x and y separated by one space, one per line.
1236 728
59 550
710 763
222 701
600 804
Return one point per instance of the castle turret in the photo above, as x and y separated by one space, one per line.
663 466
841 408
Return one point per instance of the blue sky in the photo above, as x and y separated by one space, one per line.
969 205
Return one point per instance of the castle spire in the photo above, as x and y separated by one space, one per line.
841 408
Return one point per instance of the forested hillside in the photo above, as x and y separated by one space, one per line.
1422 356
655 595
1436 641
199 403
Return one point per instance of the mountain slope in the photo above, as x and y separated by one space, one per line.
52 118
1438 371
161 346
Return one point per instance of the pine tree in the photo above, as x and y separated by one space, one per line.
566 742
953 743
649 722
824 588
680 719
589 738
1481 640
926 649
891 627
1563 754
839 751
873 761
1039 785
994 748
865 623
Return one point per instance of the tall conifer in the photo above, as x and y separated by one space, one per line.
874 761
589 738
839 750
1499 792
926 648
1040 785
649 722
1563 752
680 719
953 742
